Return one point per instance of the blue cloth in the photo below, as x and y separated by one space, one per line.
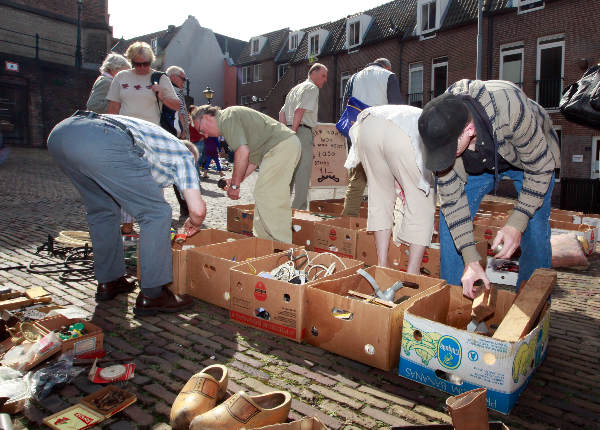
110 172
348 118
535 243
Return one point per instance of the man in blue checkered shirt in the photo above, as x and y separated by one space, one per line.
115 161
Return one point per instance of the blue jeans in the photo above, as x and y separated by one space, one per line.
535 242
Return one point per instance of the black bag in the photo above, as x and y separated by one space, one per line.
167 115
580 101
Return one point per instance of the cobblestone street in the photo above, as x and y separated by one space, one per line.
38 200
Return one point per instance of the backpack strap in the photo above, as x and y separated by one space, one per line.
155 79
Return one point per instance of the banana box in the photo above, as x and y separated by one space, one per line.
438 351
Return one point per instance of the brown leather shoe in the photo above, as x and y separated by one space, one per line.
244 411
166 302
109 290
199 395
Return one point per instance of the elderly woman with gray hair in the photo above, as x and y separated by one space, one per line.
112 64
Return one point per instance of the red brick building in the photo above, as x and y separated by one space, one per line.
542 45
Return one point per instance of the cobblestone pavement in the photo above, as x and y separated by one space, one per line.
38 200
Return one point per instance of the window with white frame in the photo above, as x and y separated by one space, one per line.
439 76
427 15
281 69
244 100
255 46
529 5
257 75
245 74
549 70
511 64
314 46
595 171
353 34
415 84
154 45
344 79
293 42
558 130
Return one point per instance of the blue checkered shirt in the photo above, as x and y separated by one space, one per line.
170 160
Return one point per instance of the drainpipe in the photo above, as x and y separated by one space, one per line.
400 48
479 38
335 87
490 47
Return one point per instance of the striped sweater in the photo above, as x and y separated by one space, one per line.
523 132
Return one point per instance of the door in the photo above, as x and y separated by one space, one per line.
13 115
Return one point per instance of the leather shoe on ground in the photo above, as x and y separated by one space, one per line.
199 395
244 411
109 290
166 302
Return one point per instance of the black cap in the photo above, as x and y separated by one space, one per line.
441 123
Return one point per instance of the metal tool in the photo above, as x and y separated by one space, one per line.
383 295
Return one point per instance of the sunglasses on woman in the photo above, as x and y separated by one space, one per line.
142 64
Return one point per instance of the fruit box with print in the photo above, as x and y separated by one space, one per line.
303 227
273 305
208 266
437 353
339 235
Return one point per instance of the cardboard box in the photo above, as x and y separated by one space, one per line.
335 207
588 232
208 266
495 206
367 251
312 423
91 340
240 219
179 253
564 215
303 228
493 425
438 352
339 235
272 305
398 255
341 322
86 414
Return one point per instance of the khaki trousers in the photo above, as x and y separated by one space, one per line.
301 179
355 191
272 211
387 155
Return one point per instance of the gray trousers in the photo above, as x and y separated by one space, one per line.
301 178
109 172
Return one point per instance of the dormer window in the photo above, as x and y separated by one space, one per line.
428 16
529 5
154 45
294 39
314 46
354 33
356 28
256 44
316 41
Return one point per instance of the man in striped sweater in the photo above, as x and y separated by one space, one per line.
474 134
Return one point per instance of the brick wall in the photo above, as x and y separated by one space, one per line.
92 10
54 92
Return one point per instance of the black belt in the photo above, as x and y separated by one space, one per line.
93 115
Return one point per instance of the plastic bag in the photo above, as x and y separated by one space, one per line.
13 385
21 356
567 252
44 380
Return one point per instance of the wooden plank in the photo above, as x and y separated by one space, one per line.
17 303
371 299
484 304
527 306
35 292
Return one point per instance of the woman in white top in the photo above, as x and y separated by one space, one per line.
131 92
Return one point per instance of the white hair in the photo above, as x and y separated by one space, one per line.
114 62
174 70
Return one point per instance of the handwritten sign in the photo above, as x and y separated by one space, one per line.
329 156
